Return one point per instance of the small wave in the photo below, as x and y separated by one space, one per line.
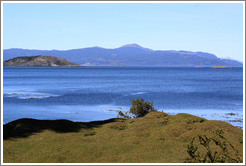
138 93
28 95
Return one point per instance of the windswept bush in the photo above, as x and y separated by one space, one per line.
138 109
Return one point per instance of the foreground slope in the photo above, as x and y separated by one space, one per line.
157 137
38 61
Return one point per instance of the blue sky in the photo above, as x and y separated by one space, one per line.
210 27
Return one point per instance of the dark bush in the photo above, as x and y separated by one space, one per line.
140 107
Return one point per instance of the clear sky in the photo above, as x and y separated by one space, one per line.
210 27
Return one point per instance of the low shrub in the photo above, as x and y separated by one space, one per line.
224 153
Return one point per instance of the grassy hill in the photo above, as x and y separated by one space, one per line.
154 138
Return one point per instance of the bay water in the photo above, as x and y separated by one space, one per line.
97 93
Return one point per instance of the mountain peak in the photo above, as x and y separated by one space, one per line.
133 45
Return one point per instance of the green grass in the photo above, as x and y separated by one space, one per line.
155 138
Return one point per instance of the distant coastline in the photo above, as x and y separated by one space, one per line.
129 55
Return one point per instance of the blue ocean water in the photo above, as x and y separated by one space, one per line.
97 93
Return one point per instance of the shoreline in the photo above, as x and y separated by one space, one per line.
104 112
227 116
194 67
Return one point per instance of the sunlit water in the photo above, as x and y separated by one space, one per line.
98 93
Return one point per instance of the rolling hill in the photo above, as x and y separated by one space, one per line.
154 138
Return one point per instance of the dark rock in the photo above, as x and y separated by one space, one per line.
230 114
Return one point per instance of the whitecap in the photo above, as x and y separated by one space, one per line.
138 93
29 95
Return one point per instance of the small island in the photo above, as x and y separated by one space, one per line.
48 61
220 67
198 67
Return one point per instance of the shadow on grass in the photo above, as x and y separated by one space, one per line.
26 127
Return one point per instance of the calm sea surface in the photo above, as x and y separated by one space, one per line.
97 93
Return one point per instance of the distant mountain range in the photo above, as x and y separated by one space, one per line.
38 61
128 55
